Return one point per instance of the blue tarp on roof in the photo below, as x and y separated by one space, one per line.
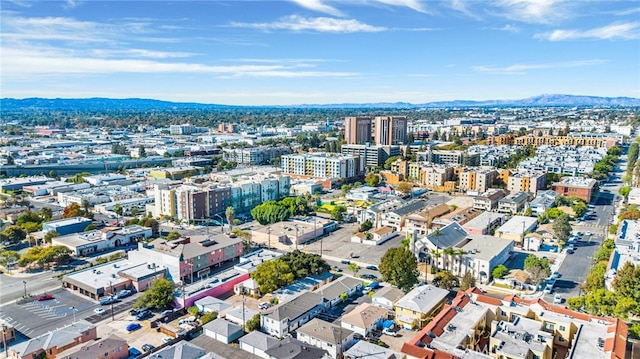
388 324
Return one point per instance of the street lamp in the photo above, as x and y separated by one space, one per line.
297 228
25 288
74 310
221 222
4 339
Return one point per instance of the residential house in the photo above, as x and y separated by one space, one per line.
343 286
516 228
54 342
111 347
421 222
485 223
223 330
291 348
257 343
210 304
180 350
387 297
488 201
328 336
239 316
364 318
543 201
514 203
416 308
287 316
363 349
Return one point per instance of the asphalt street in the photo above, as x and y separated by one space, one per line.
13 287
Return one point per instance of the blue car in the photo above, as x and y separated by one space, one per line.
133 352
133 326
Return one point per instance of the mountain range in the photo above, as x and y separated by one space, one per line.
80 104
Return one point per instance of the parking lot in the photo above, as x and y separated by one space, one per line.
36 318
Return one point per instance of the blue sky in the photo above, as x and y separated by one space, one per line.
317 52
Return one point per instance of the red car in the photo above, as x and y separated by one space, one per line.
44 297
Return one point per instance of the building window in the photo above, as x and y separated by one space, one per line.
562 328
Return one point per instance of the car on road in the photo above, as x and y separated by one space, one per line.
569 251
344 261
147 347
587 234
337 269
369 276
45 297
167 340
99 311
557 299
555 275
371 268
133 326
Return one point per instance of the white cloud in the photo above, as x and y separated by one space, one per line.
140 53
415 5
24 63
319 6
507 28
319 24
624 31
522 69
461 6
630 11
533 11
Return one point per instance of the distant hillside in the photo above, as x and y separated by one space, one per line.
93 104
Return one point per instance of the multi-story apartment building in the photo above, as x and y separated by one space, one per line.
290 315
516 328
254 155
526 182
514 203
434 176
357 130
183 129
451 157
479 180
488 201
597 142
391 130
576 186
322 165
372 155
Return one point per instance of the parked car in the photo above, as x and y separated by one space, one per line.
147 347
108 300
264 305
366 290
45 297
344 261
99 311
123 294
369 276
387 331
166 312
134 352
135 311
372 268
337 269
133 326
557 299
144 315
167 340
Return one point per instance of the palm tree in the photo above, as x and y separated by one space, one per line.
86 205
449 253
459 253
230 213
435 255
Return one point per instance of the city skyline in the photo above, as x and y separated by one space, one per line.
319 52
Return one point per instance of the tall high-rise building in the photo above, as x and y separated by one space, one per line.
391 130
357 130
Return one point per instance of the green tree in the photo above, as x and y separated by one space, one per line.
8 257
399 267
562 227
337 213
365 226
467 281
273 275
390 161
118 210
624 191
528 212
208 317
90 227
538 268
405 188
499 271
173 235
253 323
153 224
372 179
159 295
14 234
46 214
345 189
627 281
193 310
446 280
355 268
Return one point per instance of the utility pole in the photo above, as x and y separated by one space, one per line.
73 309
112 300
244 323
296 236
4 339
25 288
269 243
